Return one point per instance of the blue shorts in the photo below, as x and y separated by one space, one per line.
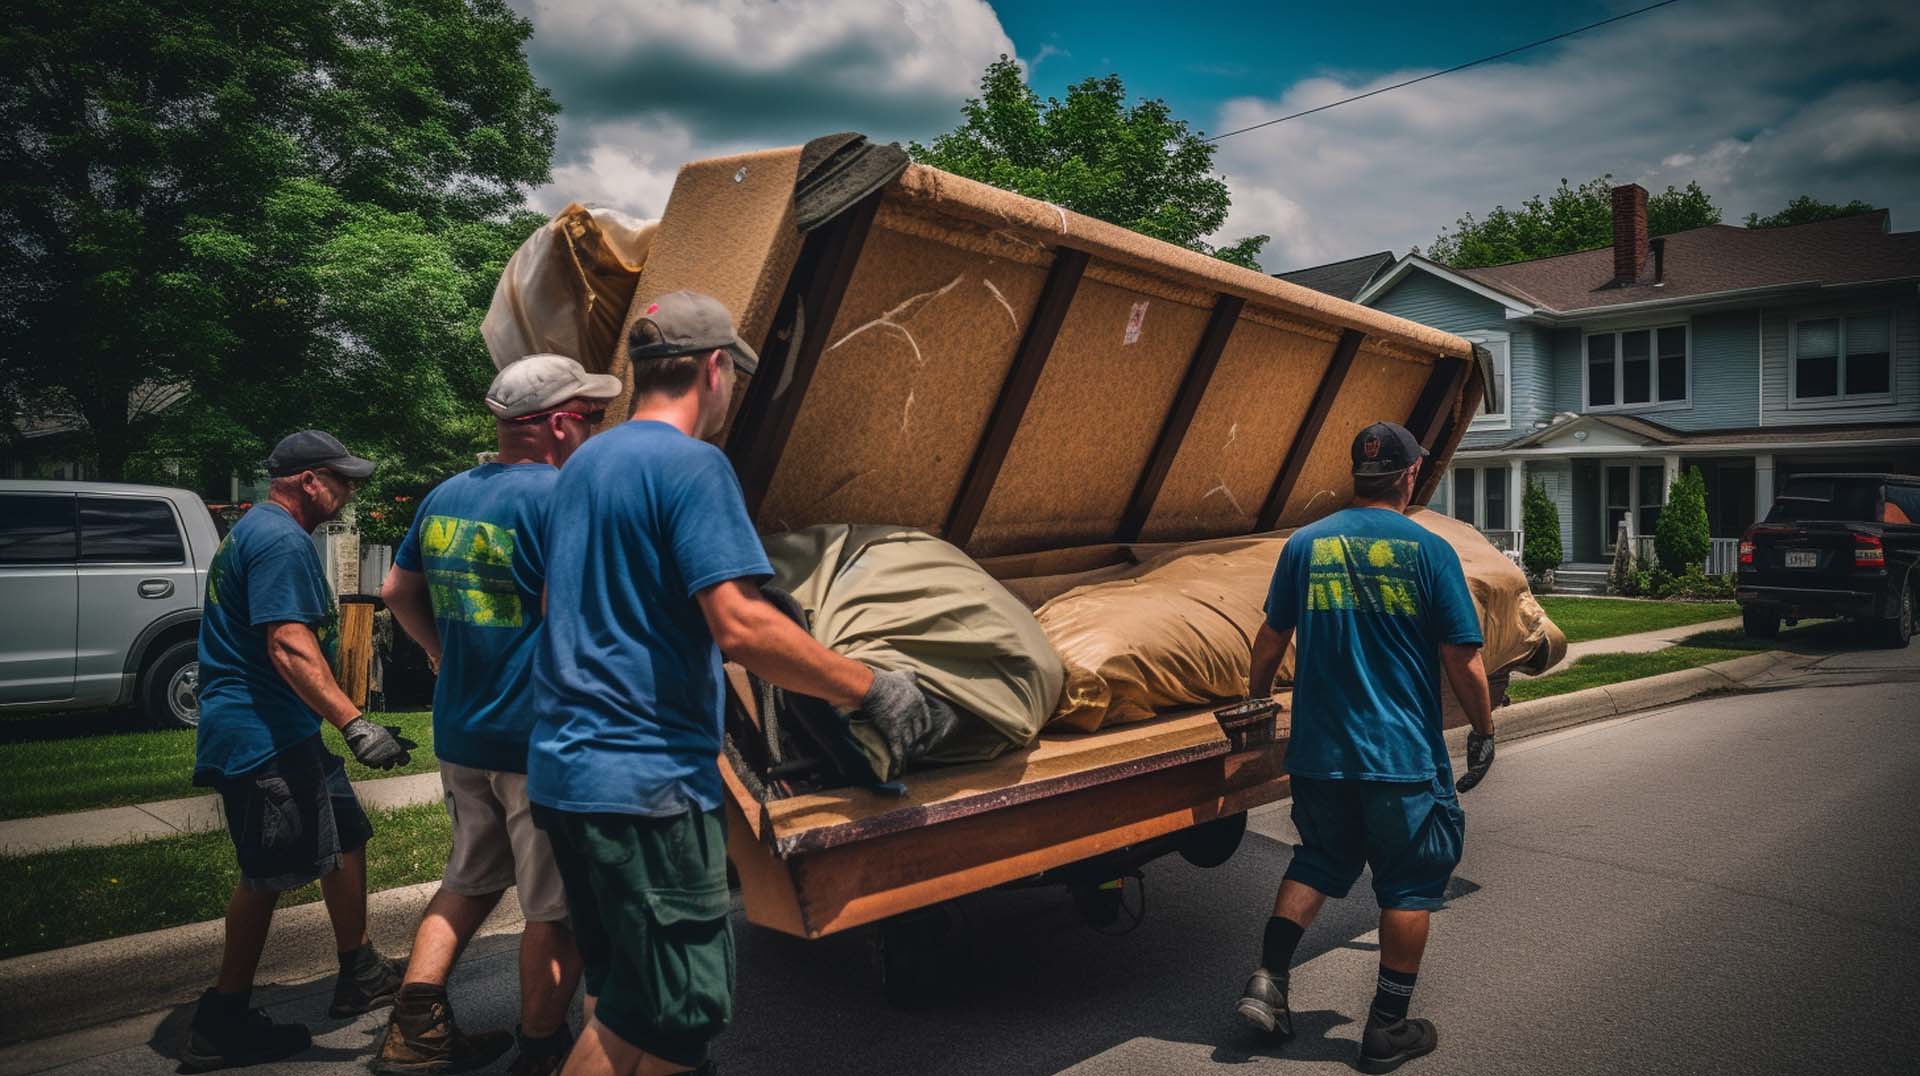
1410 833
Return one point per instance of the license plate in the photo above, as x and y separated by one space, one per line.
1802 558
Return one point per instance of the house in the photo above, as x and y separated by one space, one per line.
1343 280
1752 354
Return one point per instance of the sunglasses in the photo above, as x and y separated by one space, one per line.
592 417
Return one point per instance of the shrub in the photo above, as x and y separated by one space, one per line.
1683 538
1541 521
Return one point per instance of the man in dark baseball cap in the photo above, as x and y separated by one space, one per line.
686 323
1377 606
267 637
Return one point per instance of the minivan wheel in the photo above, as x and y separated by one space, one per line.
170 687
1759 622
1897 630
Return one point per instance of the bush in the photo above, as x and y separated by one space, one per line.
1654 581
1683 538
1541 521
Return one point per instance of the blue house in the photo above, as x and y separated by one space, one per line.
1751 354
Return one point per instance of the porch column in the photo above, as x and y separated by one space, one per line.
1516 490
1670 465
1762 486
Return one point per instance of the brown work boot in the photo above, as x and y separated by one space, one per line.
423 1038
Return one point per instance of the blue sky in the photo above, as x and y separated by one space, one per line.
1754 99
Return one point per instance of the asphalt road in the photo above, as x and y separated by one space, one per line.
1725 886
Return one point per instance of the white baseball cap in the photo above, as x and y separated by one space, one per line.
542 382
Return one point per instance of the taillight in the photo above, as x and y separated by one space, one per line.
1746 554
1868 552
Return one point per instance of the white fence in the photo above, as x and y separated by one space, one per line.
1723 557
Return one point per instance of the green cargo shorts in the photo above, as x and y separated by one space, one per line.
648 899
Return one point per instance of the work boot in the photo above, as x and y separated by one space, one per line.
367 981
225 1034
543 1056
1386 1046
423 1037
1263 1004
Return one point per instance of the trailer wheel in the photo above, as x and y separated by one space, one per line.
1210 844
906 948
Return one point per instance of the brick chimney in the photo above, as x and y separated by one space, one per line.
1629 232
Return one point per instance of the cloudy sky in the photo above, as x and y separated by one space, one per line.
1757 100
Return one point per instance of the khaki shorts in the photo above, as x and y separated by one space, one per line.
496 844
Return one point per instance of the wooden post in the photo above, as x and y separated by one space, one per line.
353 661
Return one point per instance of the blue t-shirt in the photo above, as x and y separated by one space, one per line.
1370 596
628 681
478 538
265 572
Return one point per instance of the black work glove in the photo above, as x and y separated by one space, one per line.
379 747
1479 761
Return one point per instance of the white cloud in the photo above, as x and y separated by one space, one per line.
1749 100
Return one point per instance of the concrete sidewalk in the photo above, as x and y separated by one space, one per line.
1641 643
172 818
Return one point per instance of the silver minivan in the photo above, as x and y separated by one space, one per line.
100 591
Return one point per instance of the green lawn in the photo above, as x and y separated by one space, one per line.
53 776
1601 618
85 894
1705 648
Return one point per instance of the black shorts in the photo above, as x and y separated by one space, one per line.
292 817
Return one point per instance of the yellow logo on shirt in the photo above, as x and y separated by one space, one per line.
469 574
1370 575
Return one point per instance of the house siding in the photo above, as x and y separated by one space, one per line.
1431 301
1775 325
1725 359
1556 478
1563 353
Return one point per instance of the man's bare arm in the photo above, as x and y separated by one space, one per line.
754 633
1269 649
296 656
1467 675
406 595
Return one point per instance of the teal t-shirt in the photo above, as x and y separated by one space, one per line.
265 572
628 677
479 540
1370 595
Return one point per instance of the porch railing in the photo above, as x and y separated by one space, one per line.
1505 541
1723 556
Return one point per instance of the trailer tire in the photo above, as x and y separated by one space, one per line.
1211 844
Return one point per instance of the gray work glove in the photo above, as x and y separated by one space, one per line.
379 747
906 717
1479 761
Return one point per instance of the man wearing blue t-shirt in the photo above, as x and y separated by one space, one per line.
651 561
266 688
468 584
1377 610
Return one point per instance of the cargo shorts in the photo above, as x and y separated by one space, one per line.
496 844
649 903
292 817
1409 832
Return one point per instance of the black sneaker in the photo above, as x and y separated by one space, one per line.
215 1040
372 984
1263 1004
1385 1047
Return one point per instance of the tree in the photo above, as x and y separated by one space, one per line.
1136 166
1682 538
1807 209
1567 220
1540 521
285 207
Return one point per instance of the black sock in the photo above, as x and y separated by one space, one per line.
554 1045
352 960
1276 950
1394 992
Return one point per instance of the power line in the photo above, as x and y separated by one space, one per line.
1450 70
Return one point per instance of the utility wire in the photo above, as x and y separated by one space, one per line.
1448 71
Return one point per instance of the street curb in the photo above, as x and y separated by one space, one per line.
1557 712
84 985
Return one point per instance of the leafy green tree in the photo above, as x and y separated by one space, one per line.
1807 209
1682 539
1135 166
1540 521
1567 220
291 209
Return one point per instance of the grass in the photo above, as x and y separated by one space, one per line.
85 894
1705 648
1602 618
78 773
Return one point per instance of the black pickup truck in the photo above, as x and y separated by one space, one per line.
1835 545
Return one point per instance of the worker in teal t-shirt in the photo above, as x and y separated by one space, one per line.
1377 610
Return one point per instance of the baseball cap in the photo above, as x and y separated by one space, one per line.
1385 448
542 382
313 449
687 323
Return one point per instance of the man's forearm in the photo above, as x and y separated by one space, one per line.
781 652
296 656
1269 650
1468 678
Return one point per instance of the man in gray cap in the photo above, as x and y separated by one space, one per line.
468 583
651 562
266 686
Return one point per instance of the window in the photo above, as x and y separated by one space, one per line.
1499 349
1653 496
1637 368
1841 499
1839 359
1463 499
36 529
125 530
1480 497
